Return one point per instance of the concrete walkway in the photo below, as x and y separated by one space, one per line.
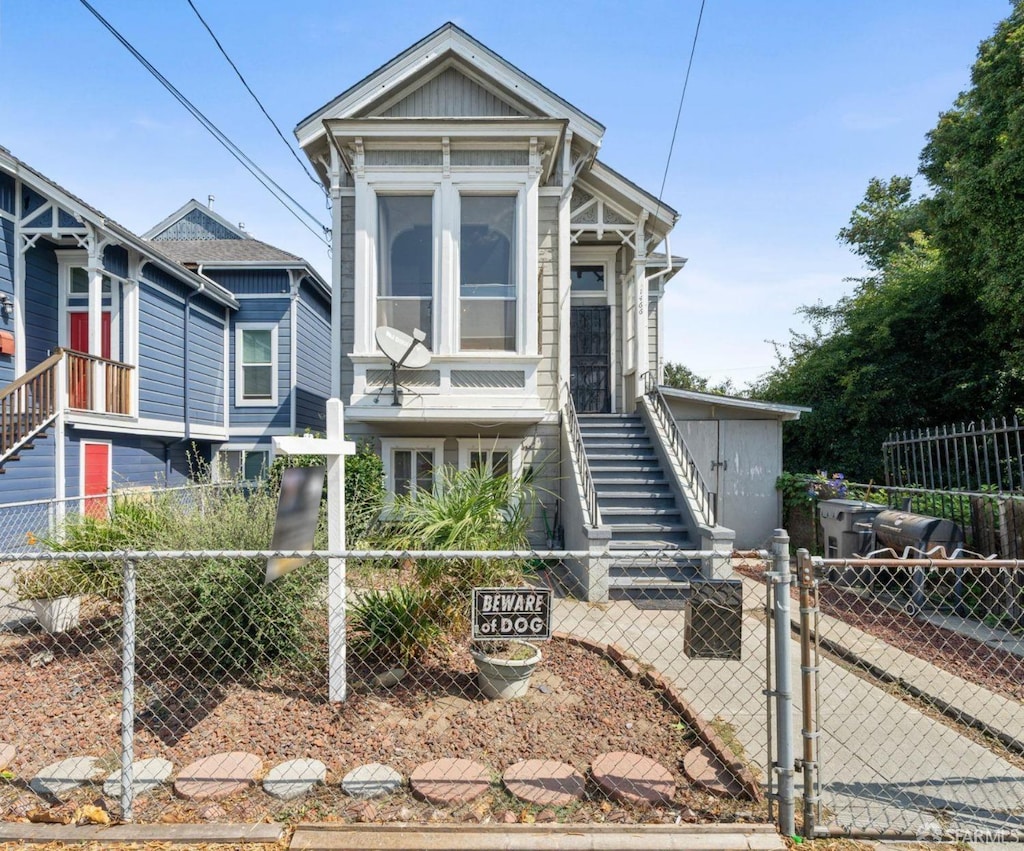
884 764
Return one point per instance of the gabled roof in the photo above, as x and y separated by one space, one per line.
196 236
449 46
86 212
195 211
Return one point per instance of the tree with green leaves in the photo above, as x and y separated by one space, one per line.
683 378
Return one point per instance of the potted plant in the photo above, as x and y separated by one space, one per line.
504 668
54 589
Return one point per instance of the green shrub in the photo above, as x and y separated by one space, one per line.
392 626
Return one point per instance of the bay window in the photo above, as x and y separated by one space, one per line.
405 263
487 273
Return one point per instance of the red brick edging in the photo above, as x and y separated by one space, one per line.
654 680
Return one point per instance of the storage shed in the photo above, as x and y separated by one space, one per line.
737 444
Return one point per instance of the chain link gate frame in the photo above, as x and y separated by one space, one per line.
910 722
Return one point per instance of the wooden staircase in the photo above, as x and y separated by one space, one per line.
27 407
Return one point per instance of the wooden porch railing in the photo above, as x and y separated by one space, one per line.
572 422
28 404
83 373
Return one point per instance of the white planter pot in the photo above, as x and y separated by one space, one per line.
57 614
505 678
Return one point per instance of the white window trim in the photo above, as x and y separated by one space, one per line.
240 400
594 255
388 445
66 261
242 449
445 314
513 446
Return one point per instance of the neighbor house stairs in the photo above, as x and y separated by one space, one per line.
649 530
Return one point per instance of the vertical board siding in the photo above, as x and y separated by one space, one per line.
40 304
7 256
161 357
7 193
243 282
206 369
115 260
269 311
653 305
450 94
548 333
196 225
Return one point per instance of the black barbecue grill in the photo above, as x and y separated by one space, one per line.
900 531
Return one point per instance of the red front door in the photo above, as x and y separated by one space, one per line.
95 479
80 374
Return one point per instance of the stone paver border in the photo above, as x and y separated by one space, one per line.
545 782
632 777
217 776
450 781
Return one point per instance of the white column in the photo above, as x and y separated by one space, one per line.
19 286
336 226
95 270
130 312
564 268
640 294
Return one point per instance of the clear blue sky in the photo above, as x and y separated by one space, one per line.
792 106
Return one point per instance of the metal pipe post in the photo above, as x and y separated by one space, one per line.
781 581
808 681
128 691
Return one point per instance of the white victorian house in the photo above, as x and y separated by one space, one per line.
469 205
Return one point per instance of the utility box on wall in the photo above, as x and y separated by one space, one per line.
6 343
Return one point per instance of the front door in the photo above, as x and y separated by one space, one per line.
590 359
78 340
95 479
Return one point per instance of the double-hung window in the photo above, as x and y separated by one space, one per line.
256 365
409 464
405 263
487 273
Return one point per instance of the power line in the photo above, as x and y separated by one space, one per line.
259 103
268 182
679 111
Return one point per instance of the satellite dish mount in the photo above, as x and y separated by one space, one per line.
402 350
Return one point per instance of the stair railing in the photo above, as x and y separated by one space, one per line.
576 440
29 403
706 500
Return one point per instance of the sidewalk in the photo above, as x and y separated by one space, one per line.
884 764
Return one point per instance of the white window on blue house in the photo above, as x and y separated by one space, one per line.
409 465
245 465
487 273
405 263
255 364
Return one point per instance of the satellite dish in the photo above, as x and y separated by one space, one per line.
402 350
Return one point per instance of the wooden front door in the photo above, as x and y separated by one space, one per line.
80 374
95 479
590 359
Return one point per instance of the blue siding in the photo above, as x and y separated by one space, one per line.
7 193
136 461
115 260
196 225
161 359
206 369
156 275
267 311
40 304
313 373
31 476
243 282
7 286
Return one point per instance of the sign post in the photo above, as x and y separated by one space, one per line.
334 448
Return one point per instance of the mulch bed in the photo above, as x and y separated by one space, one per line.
579 705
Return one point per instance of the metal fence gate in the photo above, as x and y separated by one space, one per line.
912 720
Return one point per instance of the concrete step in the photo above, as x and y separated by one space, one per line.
598 446
650 546
614 470
611 500
598 459
627 512
634 484
602 431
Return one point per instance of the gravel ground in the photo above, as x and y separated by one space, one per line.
996 670
61 698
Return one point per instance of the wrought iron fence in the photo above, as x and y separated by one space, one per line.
178 685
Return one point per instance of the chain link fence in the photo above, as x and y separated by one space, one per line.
911 699
179 686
